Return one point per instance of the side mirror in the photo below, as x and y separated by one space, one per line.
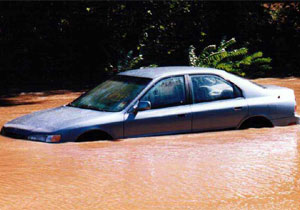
143 105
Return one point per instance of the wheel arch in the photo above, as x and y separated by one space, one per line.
94 135
262 118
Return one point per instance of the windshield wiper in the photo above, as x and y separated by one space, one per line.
83 106
71 105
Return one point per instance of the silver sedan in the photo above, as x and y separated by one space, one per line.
160 101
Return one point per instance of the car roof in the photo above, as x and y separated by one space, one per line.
169 71
249 89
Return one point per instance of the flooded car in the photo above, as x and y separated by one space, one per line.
160 101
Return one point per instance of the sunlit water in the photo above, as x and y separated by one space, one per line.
247 169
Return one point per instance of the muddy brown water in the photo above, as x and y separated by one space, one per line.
238 169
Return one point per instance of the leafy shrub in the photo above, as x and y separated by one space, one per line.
126 62
237 61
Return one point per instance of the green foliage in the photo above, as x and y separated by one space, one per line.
237 61
126 62
60 42
150 66
129 61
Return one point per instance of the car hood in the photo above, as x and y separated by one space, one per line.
52 120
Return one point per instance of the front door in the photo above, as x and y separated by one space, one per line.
169 111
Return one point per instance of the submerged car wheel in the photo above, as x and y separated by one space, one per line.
256 122
94 136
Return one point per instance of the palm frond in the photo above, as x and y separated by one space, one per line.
226 44
237 60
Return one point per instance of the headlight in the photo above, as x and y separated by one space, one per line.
45 138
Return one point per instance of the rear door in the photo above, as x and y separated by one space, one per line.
217 103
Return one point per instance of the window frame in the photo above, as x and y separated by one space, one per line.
234 86
187 91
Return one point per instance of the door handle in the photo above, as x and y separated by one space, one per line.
238 108
181 115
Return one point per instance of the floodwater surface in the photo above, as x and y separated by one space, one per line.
238 169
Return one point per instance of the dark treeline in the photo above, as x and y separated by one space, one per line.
77 44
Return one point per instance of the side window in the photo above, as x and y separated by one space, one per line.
167 92
211 88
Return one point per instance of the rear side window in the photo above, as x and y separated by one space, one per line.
211 88
167 92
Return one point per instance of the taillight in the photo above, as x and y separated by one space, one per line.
295 107
292 123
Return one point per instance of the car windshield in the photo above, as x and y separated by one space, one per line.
113 95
